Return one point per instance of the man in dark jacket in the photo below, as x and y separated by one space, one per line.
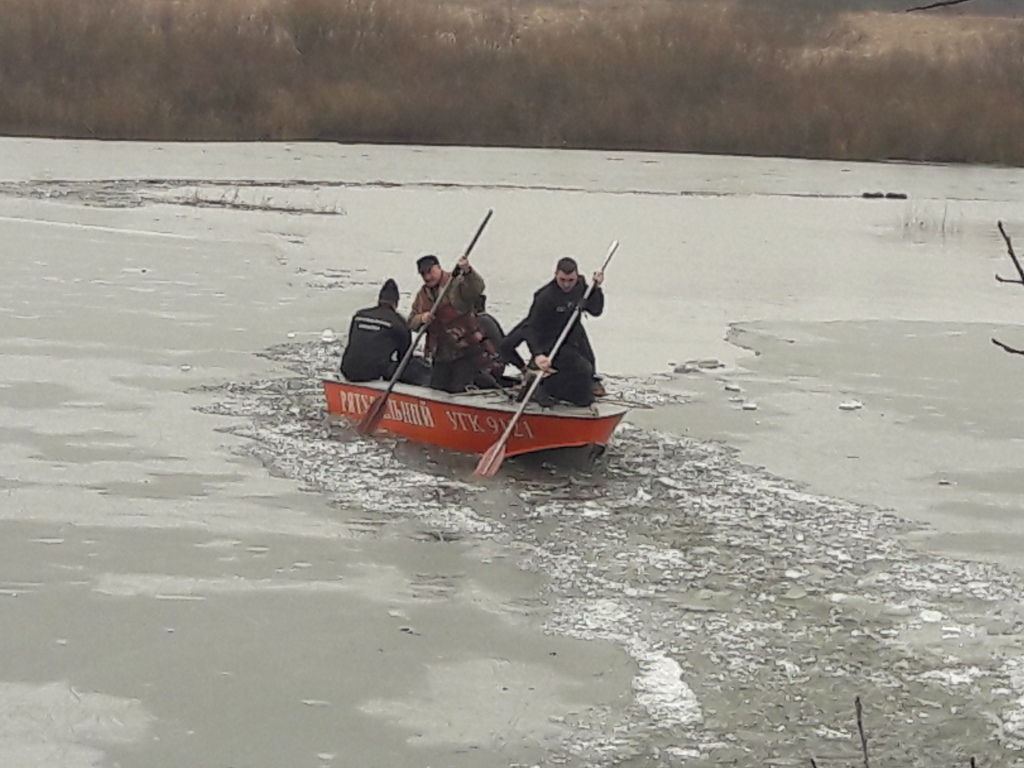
489 324
572 369
378 338
495 335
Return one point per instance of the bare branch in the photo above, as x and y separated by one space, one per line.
860 730
940 4
1020 272
1008 348
1009 250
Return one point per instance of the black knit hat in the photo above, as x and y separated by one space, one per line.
389 292
424 263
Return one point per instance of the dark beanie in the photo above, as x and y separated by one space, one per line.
389 292
423 263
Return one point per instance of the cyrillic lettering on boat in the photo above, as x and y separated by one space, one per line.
402 411
410 414
464 422
426 416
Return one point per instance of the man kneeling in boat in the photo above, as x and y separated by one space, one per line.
572 370
378 338
459 352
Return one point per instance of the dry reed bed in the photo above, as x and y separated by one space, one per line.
676 75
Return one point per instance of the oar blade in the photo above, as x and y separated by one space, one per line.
490 462
372 418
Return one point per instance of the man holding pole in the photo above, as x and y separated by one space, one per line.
576 383
423 316
456 344
571 371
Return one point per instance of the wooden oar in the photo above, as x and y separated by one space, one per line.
491 461
372 418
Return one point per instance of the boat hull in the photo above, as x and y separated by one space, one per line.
472 422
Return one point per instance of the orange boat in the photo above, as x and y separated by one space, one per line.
471 422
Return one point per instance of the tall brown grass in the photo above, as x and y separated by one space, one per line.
778 78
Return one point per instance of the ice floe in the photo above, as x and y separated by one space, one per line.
753 610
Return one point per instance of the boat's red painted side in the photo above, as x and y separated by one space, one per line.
472 423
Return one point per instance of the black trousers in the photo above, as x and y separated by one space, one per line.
453 375
417 371
507 350
574 380
509 346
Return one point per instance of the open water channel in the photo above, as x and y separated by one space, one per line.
817 496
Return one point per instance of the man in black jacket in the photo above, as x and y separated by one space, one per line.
378 338
572 369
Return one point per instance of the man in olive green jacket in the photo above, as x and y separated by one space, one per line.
455 345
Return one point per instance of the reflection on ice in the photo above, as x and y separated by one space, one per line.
168 587
374 582
483 703
55 725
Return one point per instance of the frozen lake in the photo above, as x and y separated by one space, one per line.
197 569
